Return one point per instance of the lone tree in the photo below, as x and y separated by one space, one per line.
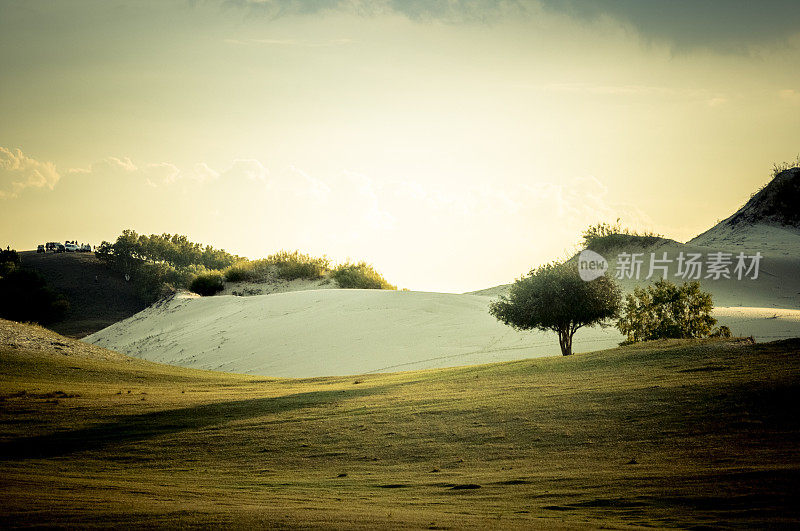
554 297
665 310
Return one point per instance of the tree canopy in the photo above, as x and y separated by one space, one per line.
665 310
24 294
173 249
554 297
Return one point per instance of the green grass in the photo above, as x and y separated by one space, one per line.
668 433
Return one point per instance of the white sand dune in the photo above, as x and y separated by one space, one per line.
340 332
304 328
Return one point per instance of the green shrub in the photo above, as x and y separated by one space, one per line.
359 276
239 272
664 310
249 270
604 236
722 331
208 283
294 265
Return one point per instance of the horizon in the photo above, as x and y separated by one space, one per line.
453 145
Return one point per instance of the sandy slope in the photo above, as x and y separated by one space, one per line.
28 338
778 282
337 332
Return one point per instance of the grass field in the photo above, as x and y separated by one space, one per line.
674 434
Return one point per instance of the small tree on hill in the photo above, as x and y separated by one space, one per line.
665 310
554 297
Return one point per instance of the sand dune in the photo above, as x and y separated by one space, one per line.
339 332
306 329
777 285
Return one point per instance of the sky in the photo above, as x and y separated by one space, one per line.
453 144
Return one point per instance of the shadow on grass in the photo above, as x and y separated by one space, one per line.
133 428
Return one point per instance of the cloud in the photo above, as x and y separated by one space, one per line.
309 186
161 171
725 26
250 169
156 174
375 216
300 43
202 172
451 11
18 172
706 97
108 165
790 95
168 173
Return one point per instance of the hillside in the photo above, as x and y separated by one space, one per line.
668 434
774 204
337 332
766 224
98 297
323 332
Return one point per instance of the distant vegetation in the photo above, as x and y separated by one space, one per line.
360 276
783 166
776 201
174 250
604 236
24 294
249 270
208 283
664 310
294 265
158 264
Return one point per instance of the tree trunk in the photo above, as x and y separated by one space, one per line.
565 341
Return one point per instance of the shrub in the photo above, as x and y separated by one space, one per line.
604 236
722 331
208 283
783 166
249 270
665 310
239 272
291 266
359 276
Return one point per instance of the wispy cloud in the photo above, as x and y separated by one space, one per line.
19 171
710 98
250 169
108 165
724 26
452 11
300 43
790 95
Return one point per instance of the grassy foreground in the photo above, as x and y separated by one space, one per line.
671 433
